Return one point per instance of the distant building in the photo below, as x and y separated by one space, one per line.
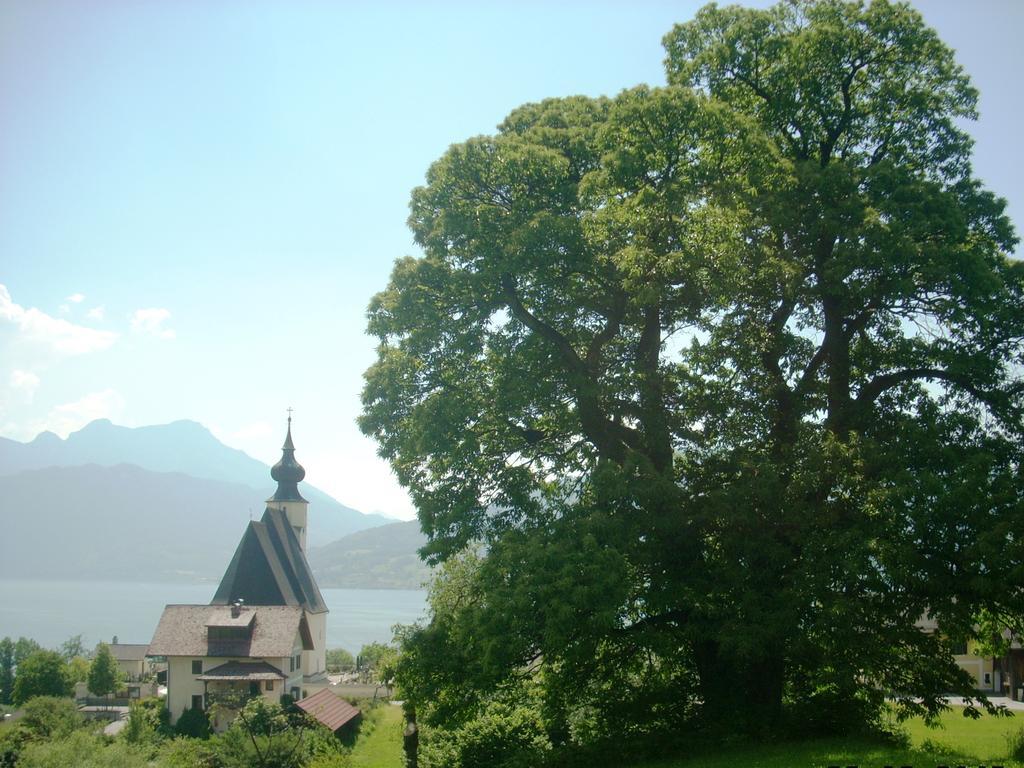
131 660
265 631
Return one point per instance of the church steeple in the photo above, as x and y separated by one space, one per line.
288 472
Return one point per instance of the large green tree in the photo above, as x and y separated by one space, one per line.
726 375
42 673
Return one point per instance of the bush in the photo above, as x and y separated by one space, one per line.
49 717
142 726
502 736
194 723
1016 745
184 752
82 750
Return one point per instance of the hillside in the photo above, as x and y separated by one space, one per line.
185 447
120 522
378 558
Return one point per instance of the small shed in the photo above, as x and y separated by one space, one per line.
334 712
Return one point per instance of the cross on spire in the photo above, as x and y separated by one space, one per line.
289 415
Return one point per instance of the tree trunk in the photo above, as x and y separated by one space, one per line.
744 696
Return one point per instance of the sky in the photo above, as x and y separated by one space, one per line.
198 198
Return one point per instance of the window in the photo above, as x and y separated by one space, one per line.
227 633
270 685
988 679
960 648
291 663
197 666
197 700
295 694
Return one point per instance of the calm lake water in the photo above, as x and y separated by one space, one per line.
52 611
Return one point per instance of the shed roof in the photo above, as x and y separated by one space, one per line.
182 631
333 711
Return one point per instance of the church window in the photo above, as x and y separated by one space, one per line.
197 666
197 701
270 685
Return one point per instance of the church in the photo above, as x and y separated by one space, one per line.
265 631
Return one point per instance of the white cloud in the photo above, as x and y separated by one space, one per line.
25 383
70 417
60 335
96 313
76 298
150 322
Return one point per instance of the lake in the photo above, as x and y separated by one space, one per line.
50 612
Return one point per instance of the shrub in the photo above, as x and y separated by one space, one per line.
194 723
82 750
188 753
1016 745
49 717
502 736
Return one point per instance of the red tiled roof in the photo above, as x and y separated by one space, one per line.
329 709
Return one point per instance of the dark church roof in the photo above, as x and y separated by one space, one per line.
288 472
269 568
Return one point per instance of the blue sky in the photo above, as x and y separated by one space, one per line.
199 198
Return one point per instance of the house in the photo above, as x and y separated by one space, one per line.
996 676
131 660
265 631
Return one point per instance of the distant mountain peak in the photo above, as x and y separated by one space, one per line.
185 447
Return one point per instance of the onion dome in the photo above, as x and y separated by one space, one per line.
288 472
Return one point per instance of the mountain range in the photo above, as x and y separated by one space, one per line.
168 501
184 447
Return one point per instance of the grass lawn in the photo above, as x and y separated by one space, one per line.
984 739
381 747
959 741
814 754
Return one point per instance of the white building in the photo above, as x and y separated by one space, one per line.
265 631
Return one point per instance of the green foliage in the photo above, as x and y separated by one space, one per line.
104 674
143 725
6 670
502 735
264 735
83 750
23 648
371 655
48 717
340 660
72 647
1015 745
41 673
78 669
194 723
184 752
724 376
